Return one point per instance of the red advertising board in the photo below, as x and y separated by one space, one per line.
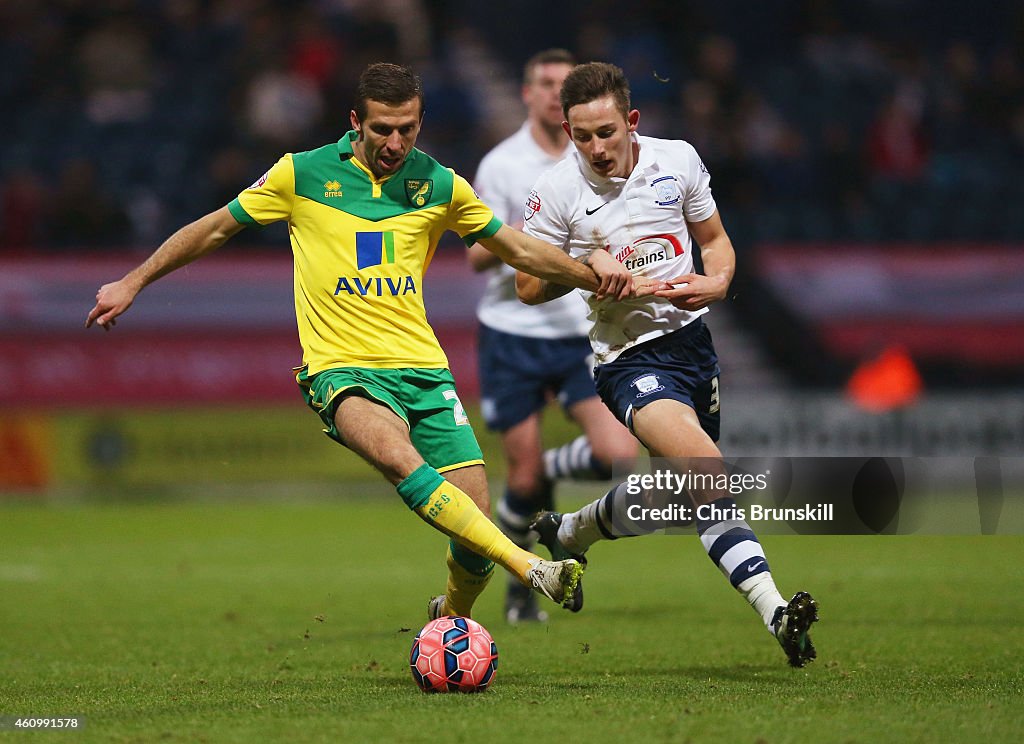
948 302
219 331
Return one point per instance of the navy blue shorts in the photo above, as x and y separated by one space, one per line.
519 374
680 366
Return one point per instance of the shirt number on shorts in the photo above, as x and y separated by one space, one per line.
716 402
461 419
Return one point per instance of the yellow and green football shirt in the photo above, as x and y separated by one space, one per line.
361 246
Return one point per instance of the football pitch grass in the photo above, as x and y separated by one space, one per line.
241 620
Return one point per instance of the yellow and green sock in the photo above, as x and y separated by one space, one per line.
441 504
468 574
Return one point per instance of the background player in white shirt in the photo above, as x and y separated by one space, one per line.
529 354
642 199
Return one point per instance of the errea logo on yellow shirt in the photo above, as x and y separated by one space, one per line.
333 188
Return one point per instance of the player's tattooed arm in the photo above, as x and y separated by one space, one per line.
532 290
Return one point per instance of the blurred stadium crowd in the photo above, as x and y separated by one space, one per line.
819 119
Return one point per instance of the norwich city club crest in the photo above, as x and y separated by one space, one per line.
418 191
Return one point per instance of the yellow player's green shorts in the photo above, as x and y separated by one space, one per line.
424 398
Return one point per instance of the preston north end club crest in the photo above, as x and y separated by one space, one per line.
667 192
418 190
647 384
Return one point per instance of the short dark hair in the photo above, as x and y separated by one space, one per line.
595 80
547 57
389 84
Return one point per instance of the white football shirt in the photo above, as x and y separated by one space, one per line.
640 220
503 181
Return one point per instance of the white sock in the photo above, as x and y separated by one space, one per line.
579 530
762 595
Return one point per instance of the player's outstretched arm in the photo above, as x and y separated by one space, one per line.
186 245
533 291
533 256
694 291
